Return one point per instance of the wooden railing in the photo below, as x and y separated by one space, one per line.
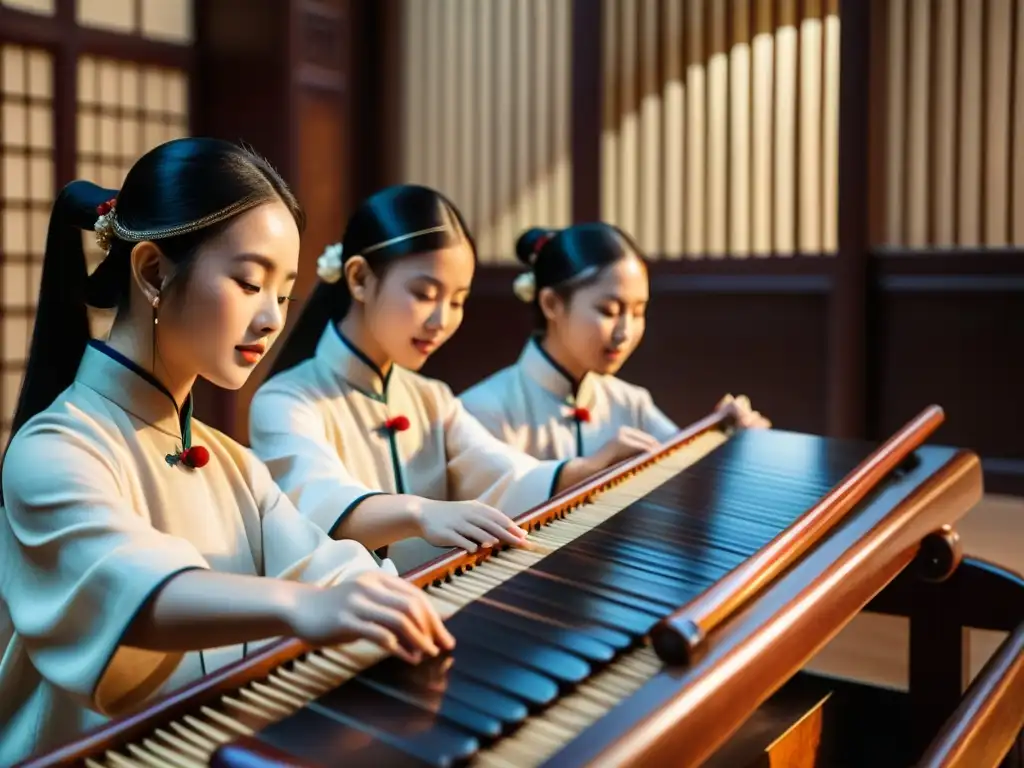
991 715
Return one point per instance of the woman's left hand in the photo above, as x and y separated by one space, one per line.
740 408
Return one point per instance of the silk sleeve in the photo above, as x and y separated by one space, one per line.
484 468
81 563
288 436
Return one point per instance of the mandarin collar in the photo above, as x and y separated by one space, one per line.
120 380
542 368
348 362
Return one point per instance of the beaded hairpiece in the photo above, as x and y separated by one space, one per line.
108 227
328 266
104 225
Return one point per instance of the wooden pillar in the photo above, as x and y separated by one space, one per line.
377 95
276 75
848 306
587 99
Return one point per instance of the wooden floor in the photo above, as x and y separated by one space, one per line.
873 648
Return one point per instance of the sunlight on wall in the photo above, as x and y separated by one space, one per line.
486 112
954 124
42 7
720 133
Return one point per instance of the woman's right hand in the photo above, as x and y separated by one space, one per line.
626 444
467 524
375 606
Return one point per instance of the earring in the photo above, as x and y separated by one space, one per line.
156 303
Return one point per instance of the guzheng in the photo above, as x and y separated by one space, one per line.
740 554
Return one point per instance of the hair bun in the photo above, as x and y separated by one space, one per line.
529 243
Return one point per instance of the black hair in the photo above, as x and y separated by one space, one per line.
393 223
566 260
174 186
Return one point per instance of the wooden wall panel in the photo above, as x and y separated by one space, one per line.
322 183
325 173
708 335
226 104
281 82
978 386
953 339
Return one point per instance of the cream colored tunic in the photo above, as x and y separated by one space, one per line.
96 520
319 427
532 406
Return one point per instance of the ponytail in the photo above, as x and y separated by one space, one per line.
61 329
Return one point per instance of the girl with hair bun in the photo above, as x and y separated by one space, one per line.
136 541
587 286
367 448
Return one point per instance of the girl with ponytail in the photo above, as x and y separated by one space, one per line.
136 540
367 448
588 288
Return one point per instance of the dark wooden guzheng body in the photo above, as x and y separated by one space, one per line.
739 554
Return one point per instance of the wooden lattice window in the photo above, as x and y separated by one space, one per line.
168 20
132 59
42 7
124 110
26 194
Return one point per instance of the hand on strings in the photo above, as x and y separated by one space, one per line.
740 408
374 606
626 444
469 525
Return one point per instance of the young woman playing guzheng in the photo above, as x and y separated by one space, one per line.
589 291
135 538
365 447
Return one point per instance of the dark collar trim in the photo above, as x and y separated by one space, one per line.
384 378
184 414
573 384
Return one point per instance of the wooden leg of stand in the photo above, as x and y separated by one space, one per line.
939 666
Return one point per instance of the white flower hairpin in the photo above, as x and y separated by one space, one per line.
328 266
525 286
